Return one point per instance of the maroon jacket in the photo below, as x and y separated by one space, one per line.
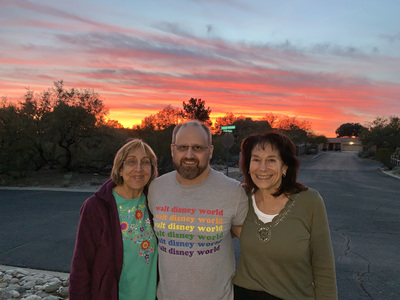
97 261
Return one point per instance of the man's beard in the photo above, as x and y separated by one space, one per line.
190 172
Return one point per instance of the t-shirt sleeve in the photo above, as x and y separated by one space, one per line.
242 207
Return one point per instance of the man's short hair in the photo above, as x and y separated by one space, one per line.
193 123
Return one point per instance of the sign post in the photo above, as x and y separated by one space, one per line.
227 140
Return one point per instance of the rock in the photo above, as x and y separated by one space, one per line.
63 292
4 295
51 297
33 297
26 285
40 281
14 294
53 287
29 284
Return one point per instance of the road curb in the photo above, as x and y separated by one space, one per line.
46 272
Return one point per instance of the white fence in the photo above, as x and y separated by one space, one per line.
395 160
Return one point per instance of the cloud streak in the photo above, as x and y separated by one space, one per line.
139 71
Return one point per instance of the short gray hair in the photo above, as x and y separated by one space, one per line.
193 123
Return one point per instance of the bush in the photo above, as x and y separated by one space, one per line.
383 155
366 153
311 151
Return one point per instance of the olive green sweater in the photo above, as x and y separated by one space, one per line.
290 257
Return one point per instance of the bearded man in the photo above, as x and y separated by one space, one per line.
195 208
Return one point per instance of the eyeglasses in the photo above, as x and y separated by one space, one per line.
133 163
195 148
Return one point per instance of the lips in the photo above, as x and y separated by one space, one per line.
263 177
190 162
137 177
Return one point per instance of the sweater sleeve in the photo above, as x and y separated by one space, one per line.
322 258
84 253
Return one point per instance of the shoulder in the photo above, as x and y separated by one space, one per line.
220 178
162 183
93 205
163 178
309 193
309 198
101 199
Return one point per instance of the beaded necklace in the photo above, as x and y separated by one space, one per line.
264 231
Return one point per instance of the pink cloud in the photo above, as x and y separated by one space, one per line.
141 72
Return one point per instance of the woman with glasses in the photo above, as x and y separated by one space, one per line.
115 254
286 250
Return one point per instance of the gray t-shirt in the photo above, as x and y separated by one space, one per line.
192 223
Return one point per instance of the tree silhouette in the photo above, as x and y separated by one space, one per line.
195 109
349 130
165 118
57 127
228 119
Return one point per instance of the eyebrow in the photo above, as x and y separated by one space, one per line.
134 156
269 156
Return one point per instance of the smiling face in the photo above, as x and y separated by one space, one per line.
135 172
191 154
266 168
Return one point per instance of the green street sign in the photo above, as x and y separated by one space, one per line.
227 130
229 127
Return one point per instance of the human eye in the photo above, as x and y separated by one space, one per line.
182 148
146 163
197 148
131 162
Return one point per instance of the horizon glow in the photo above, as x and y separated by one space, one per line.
328 64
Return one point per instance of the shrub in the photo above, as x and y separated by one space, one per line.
366 153
383 155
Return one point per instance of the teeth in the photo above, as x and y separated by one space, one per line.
263 176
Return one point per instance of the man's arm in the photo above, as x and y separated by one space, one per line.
236 230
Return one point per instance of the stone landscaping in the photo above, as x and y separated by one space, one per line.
32 284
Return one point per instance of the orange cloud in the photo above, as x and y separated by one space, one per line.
138 72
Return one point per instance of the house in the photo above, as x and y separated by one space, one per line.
343 144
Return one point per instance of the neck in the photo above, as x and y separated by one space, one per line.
128 193
269 204
266 195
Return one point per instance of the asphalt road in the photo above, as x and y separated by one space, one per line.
363 207
37 228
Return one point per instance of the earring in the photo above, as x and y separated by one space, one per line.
283 175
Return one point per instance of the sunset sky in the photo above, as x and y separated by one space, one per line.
328 62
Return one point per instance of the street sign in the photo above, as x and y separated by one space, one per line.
229 127
227 140
227 130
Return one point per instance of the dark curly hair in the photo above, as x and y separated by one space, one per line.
287 152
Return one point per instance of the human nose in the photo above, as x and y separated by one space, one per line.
138 166
189 153
264 165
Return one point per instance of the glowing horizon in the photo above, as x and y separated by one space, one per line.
286 58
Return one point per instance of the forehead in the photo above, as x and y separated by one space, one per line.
265 149
191 135
138 153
